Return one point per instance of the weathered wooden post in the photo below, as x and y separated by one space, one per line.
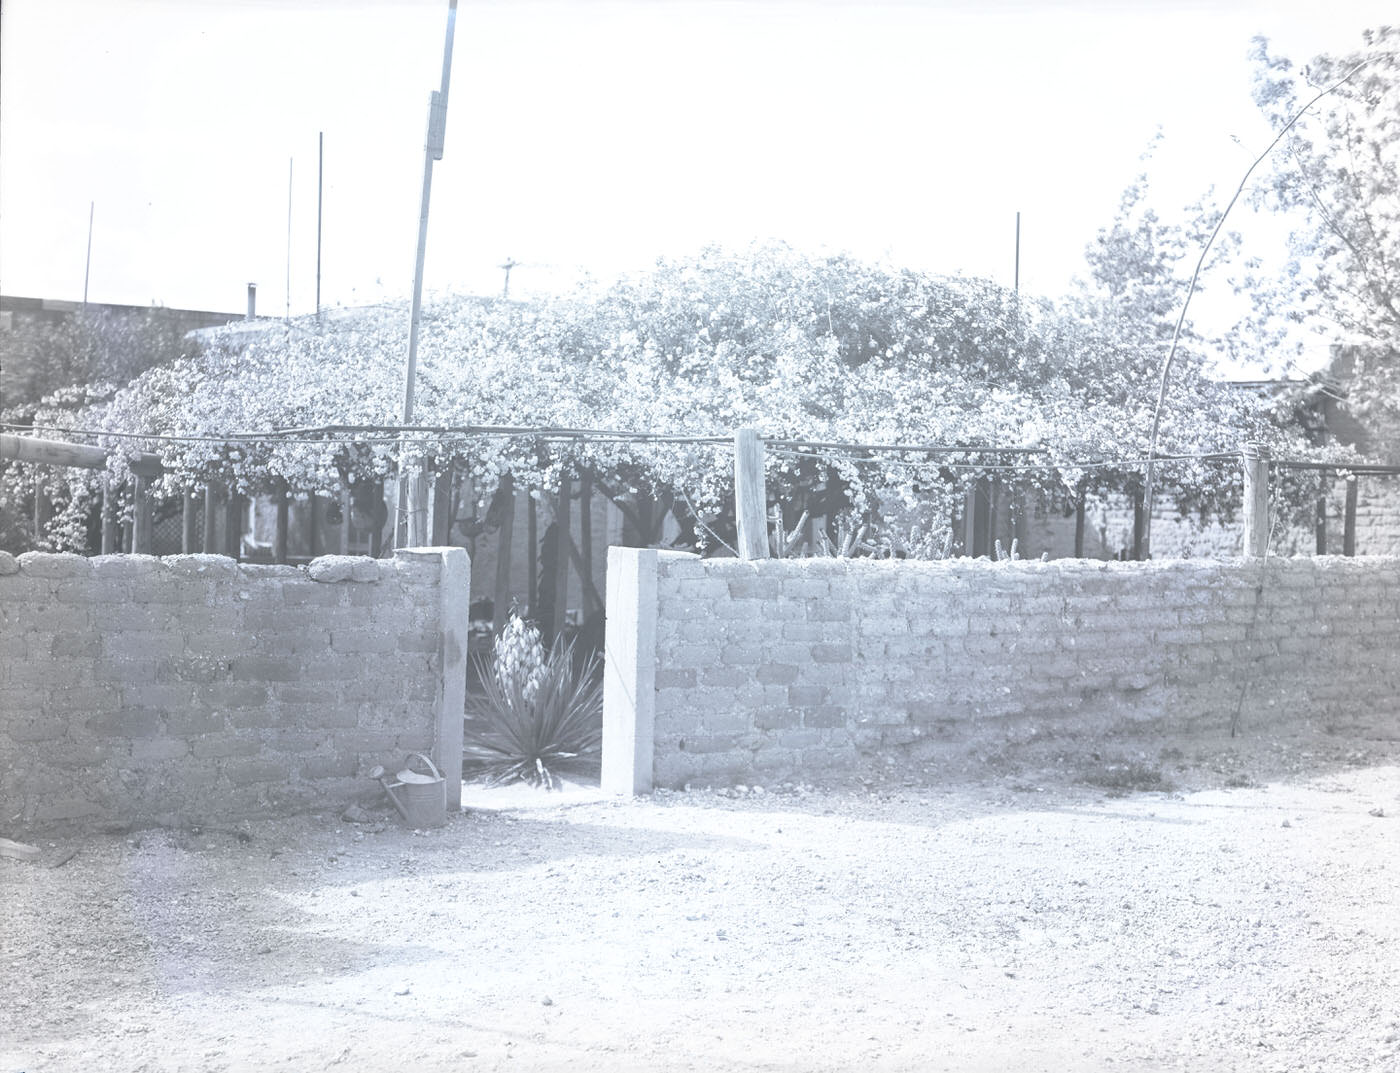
142 519
532 556
1349 519
1256 499
1320 529
234 510
500 600
279 538
110 535
750 495
1079 509
345 521
1141 530
416 482
210 543
189 523
562 537
442 507
585 538
313 525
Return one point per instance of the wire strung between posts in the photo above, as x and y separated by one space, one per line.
781 448
1127 463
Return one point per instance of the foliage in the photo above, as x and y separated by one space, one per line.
41 357
1336 176
537 712
1139 271
819 349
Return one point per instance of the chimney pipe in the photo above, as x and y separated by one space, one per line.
252 301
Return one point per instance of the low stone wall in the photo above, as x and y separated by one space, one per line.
721 670
190 689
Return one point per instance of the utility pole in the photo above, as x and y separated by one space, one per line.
511 262
87 266
1016 278
410 528
320 189
290 162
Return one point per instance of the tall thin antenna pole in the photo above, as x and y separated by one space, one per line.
320 189
290 161
511 262
1017 277
87 267
412 520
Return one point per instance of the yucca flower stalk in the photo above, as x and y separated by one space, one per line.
538 713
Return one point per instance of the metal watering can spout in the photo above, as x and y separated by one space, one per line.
421 799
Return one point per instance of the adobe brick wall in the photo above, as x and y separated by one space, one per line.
192 689
723 671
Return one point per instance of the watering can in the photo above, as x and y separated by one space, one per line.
420 799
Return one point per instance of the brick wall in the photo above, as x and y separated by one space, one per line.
720 670
191 689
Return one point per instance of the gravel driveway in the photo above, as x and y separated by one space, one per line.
1003 923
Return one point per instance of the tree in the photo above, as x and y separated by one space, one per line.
99 346
1337 175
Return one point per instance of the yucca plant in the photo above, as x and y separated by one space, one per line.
537 713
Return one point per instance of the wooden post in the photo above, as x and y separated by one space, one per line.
1139 526
1255 457
969 522
750 495
376 535
313 528
43 508
1079 510
233 525
1321 529
211 518
416 478
345 521
189 523
561 557
500 601
585 538
532 551
143 520
279 540
993 495
109 517
1349 519
442 508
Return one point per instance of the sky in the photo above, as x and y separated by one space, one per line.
597 135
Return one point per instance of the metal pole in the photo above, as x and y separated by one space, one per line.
409 526
320 190
1017 277
290 161
87 267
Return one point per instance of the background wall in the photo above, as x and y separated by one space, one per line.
190 688
730 670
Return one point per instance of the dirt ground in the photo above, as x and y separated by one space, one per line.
1218 906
